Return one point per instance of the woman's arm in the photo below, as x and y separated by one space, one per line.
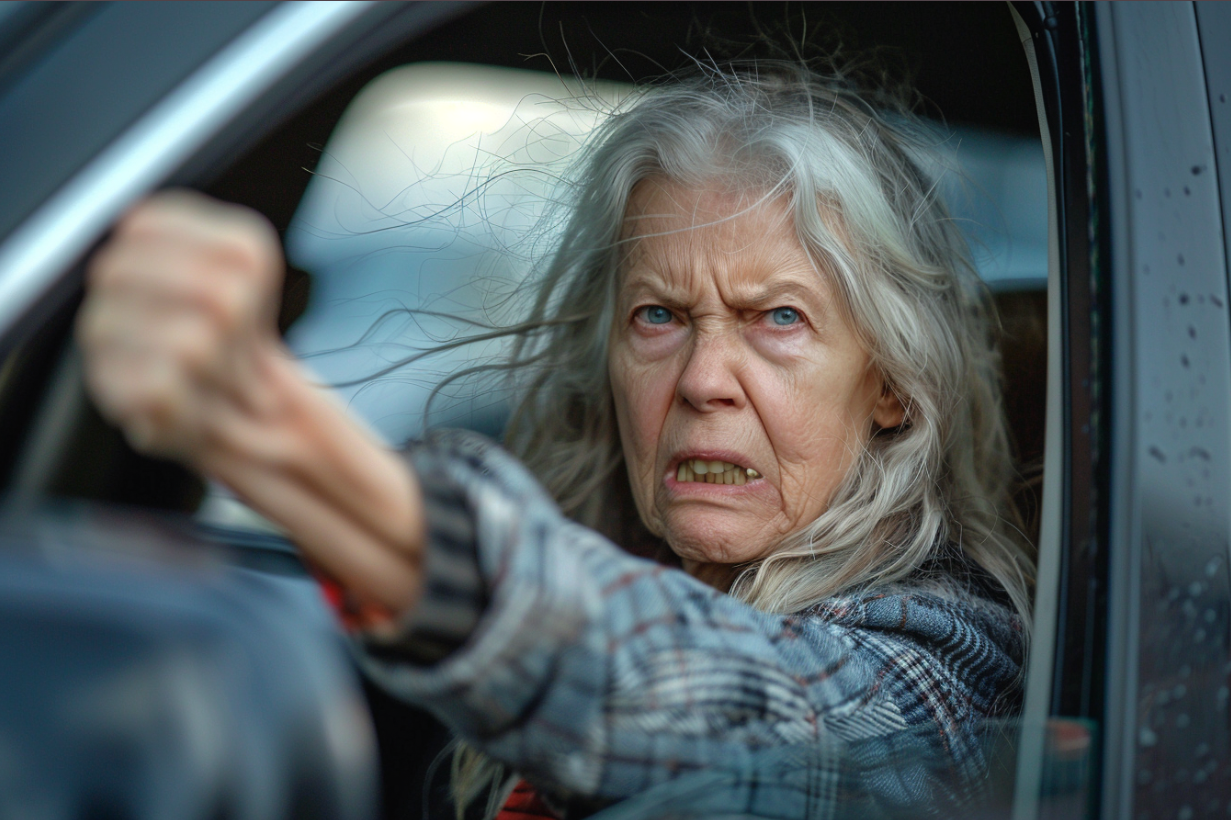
598 675
182 353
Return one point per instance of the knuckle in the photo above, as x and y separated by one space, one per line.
256 255
228 301
196 352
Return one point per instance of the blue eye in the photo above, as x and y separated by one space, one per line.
784 315
656 315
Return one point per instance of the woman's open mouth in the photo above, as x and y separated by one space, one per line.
714 472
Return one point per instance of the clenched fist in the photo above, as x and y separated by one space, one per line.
178 332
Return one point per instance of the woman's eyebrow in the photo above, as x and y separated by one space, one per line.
758 295
645 282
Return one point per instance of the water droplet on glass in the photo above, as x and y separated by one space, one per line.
1146 737
1184 359
1179 691
1179 257
1192 332
1199 636
1210 616
1181 720
1196 588
1157 454
1187 192
1185 813
1167 192
1211 568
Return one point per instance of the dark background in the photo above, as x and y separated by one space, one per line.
965 60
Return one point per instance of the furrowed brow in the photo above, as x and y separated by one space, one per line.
779 292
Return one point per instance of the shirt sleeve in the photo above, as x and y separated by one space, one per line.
599 675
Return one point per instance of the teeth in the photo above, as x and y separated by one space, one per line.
714 472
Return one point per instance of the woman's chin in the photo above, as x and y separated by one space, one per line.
713 536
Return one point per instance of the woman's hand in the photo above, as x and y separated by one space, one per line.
182 353
178 332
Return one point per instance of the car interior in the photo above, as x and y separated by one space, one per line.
412 188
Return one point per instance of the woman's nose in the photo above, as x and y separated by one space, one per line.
710 379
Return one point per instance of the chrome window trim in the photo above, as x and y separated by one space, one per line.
42 247
1037 701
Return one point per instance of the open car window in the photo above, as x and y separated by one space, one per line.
431 160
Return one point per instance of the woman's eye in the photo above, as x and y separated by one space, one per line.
656 315
784 316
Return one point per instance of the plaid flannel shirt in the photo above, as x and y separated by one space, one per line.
598 675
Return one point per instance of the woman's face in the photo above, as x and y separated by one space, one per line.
730 355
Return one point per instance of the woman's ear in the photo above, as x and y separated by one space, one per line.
889 411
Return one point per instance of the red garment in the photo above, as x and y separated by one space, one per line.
525 804
355 615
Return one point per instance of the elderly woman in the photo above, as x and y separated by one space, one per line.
759 357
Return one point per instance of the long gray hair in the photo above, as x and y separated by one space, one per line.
863 191
873 220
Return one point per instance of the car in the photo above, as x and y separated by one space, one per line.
170 654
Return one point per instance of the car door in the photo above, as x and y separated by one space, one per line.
1133 98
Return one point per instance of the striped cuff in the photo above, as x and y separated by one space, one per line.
454 596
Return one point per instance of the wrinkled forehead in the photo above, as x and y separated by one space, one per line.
659 205
696 217
674 231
